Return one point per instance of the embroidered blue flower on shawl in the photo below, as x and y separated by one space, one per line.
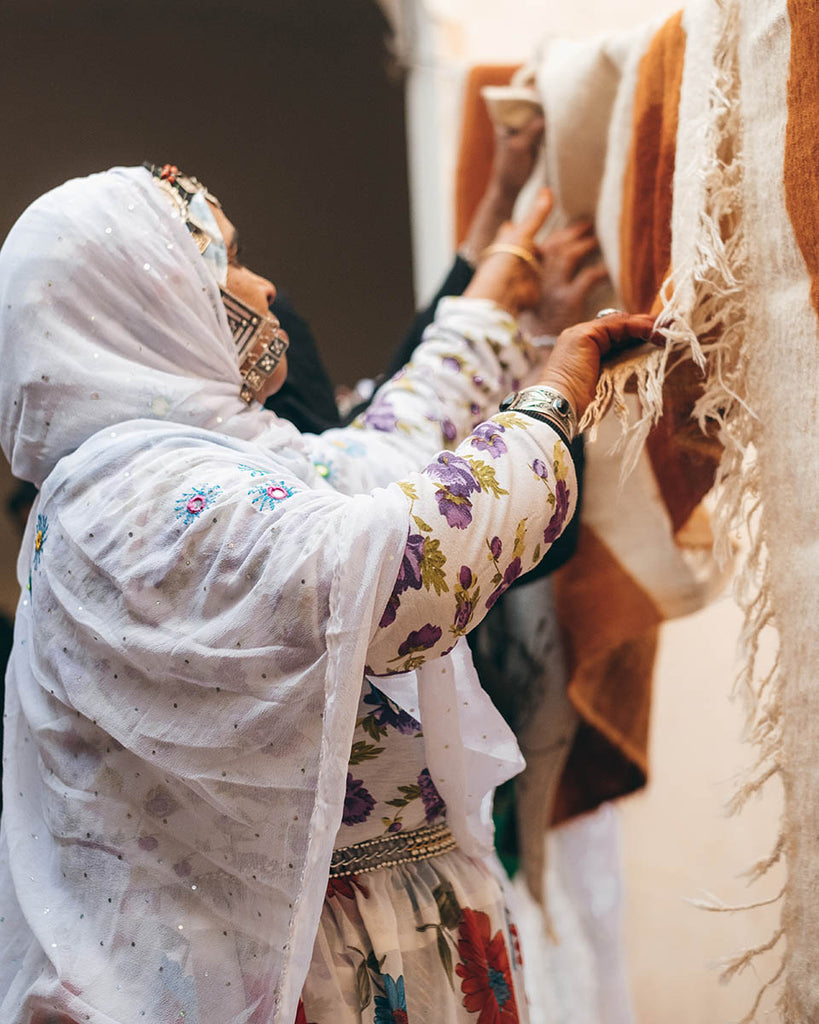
253 470
40 535
267 496
193 503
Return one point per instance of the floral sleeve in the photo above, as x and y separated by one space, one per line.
479 517
472 355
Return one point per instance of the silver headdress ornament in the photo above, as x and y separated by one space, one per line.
260 341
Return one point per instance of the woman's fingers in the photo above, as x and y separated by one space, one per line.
578 229
588 277
576 252
618 330
536 217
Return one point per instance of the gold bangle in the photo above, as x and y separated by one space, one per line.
514 250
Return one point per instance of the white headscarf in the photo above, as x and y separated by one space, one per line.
109 313
188 655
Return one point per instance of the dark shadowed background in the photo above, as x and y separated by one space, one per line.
291 111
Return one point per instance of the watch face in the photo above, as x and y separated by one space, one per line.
507 402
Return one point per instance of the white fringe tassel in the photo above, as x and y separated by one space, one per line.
703 320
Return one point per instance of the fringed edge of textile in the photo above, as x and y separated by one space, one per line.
702 319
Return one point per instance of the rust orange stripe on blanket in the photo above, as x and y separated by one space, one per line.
611 672
801 172
645 222
683 459
477 146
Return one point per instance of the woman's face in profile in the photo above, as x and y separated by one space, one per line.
253 289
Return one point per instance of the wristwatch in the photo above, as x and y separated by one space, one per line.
547 404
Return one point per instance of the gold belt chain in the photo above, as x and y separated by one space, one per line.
387 851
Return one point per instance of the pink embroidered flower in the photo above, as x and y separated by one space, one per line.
196 504
193 503
267 496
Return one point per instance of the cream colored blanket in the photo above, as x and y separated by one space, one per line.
701 166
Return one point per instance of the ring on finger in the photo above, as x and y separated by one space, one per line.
609 311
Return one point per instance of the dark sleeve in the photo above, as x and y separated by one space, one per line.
459 276
307 397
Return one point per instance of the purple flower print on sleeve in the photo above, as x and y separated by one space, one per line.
511 573
486 437
559 497
388 616
389 715
503 579
434 805
448 430
458 482
409 574
358 802
453 363
380 416
466 600
420 640
456 510
558 520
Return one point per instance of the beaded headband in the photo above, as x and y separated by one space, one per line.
259 339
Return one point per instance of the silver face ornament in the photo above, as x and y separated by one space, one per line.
260 343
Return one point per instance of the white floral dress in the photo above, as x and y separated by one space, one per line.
433 940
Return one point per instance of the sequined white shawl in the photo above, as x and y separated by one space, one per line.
182 691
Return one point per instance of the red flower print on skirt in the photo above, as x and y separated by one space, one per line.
346 886
486 980
301 1015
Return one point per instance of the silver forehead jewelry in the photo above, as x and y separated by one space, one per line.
181 188
260 341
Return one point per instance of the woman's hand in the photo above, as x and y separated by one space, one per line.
566 279
574 365
514 159
512 282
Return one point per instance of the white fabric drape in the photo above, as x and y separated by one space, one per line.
186 671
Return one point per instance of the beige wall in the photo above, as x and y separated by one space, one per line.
678 842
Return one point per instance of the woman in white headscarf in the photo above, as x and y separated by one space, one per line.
190 753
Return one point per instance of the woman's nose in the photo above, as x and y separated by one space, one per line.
269 290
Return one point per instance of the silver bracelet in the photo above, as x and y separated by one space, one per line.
544 403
